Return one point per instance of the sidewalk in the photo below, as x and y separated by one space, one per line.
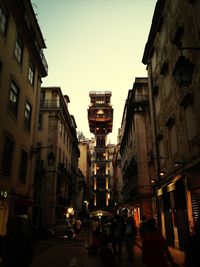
177 254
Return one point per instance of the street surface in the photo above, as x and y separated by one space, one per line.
61 252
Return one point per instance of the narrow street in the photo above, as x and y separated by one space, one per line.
61 252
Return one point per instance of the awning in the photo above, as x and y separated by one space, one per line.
169 185
100 213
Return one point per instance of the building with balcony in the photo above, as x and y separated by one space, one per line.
172 56
100 118
22 65
135 146
84 165
55 185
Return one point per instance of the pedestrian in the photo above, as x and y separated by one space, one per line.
18 245
95 227
130 236
155 251
78 224
142 227
117 235
192 257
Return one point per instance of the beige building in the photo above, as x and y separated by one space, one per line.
55 185
172 56
22 64
135 147
84 166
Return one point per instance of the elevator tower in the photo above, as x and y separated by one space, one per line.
100 118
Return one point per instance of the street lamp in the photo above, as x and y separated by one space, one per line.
183 70
50 157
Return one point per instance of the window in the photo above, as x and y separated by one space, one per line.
19 50
27 116
60 128
157 103
191 123
14 97
31 73
23 166
3 21
40 120
7 156
173 140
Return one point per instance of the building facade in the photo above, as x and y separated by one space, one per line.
135 147
55 184
84 165
173 44
100 118
22 65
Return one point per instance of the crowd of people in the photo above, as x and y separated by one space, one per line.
155 250
16 247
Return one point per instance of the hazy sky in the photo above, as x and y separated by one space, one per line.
94 45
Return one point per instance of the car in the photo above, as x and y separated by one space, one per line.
61 228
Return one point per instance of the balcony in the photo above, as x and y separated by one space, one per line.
50 104
100 117
140 102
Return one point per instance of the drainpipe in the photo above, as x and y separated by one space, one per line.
154 135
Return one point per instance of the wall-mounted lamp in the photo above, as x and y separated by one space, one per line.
162 173
50 157
178 163
183 70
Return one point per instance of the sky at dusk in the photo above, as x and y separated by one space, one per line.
94 45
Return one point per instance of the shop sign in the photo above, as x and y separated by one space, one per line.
3 194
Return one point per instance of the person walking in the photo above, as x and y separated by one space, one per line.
142 227
78 224
95 227
117 235
155 251
129 236
192 258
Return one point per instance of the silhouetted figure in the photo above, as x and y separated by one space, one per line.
95 227
129 237
117 235
192 251
155 252
18 244
78 225
143 228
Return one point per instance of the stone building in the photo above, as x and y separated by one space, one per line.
56 183
172 56
135 147
84 165
22 65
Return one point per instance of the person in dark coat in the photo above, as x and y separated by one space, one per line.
18 245
130 236
155 251
192 257
117 235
